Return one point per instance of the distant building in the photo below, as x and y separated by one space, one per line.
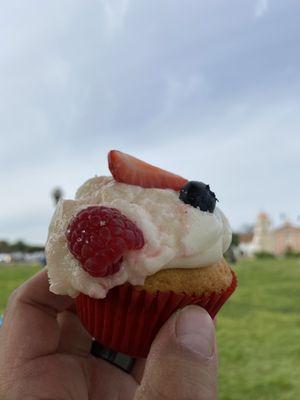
287 237
265 238
5 258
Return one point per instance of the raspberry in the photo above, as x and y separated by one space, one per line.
99 236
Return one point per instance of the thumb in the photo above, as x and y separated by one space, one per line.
182 363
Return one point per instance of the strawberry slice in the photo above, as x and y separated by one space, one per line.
131 170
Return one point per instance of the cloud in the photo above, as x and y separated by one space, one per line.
261 8
199 92
115 14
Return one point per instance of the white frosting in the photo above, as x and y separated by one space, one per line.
176 235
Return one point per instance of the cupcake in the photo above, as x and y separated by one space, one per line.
136 246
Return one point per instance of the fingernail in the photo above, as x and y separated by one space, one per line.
195 331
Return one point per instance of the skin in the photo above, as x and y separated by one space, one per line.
45 355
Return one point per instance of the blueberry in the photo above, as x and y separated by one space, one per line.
198 195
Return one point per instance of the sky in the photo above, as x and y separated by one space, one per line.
207 90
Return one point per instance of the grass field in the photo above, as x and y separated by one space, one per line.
259 333
258 330
12 277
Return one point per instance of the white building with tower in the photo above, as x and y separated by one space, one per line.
266 238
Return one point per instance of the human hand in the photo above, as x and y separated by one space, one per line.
45 354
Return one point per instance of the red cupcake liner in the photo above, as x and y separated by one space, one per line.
127 320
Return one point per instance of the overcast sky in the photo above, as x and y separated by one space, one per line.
207 89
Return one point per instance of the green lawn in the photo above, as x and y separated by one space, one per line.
258 329
259 333
12 277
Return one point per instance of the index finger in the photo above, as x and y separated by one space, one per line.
30 327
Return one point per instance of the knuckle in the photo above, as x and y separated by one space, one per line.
12 298
15 297
150 391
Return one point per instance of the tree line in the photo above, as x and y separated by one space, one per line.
18 246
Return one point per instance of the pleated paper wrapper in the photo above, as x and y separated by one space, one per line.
128 319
